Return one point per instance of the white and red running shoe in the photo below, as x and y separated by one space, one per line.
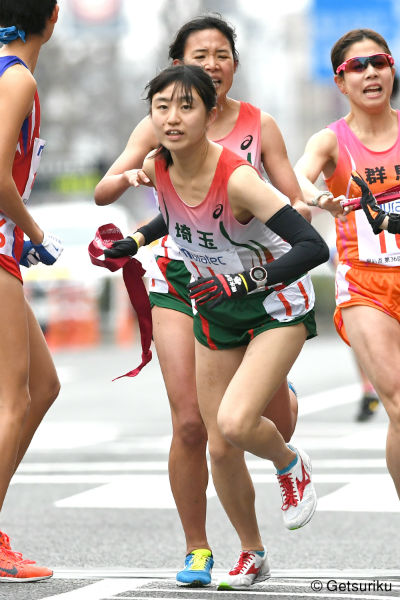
299 499
250 568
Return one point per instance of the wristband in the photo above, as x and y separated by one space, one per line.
136 237
315 200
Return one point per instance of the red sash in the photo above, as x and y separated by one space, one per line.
132 272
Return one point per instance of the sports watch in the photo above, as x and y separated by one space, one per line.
259 275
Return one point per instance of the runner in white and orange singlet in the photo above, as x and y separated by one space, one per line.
366 141
207 41
248 253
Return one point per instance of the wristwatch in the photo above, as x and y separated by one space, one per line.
259 275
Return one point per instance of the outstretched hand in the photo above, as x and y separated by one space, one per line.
126 247
137 177
371 208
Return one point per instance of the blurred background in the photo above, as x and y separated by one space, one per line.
91 77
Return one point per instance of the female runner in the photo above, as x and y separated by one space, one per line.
29 382
253 314
367 142
207 41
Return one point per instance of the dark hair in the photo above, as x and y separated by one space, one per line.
185 77
212 21
29 15
351 37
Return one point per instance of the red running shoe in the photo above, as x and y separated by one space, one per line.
13 567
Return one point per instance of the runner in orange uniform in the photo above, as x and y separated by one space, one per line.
366 140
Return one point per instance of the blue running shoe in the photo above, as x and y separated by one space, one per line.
197 571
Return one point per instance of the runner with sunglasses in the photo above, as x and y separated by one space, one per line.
253 315
207 41
366 142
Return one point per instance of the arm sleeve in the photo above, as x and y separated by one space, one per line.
153 230
308 248
394 223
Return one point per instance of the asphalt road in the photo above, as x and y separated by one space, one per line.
92 498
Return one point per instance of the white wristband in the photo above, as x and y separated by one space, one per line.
315 200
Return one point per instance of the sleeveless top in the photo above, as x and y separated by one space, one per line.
356 242
245 140
208 236
26 163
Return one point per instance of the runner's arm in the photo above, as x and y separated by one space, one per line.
320 156
145 234
277 165
17 91
126 171
251 196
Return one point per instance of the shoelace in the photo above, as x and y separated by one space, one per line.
287 491
199 562
5 541
244 561
16 557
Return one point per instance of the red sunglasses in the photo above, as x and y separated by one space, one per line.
358 64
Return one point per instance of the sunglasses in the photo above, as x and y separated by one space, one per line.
358 64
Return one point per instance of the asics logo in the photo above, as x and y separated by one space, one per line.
246 142
217 212
13 571
301 485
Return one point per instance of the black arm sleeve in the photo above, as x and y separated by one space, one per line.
153 230
394 223
308 248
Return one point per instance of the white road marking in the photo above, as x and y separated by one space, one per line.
290 574
57 435
153 491
71 435
366 494
100 590
311 436
141 484
162 466
137 491
328 399
127 580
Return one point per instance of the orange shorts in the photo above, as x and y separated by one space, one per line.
366 285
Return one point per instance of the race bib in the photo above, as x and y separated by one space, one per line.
382 249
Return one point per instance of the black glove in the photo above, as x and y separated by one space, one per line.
126 247
373 212
214 290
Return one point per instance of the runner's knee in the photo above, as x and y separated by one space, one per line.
15 404
190 430
392 406
221 451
